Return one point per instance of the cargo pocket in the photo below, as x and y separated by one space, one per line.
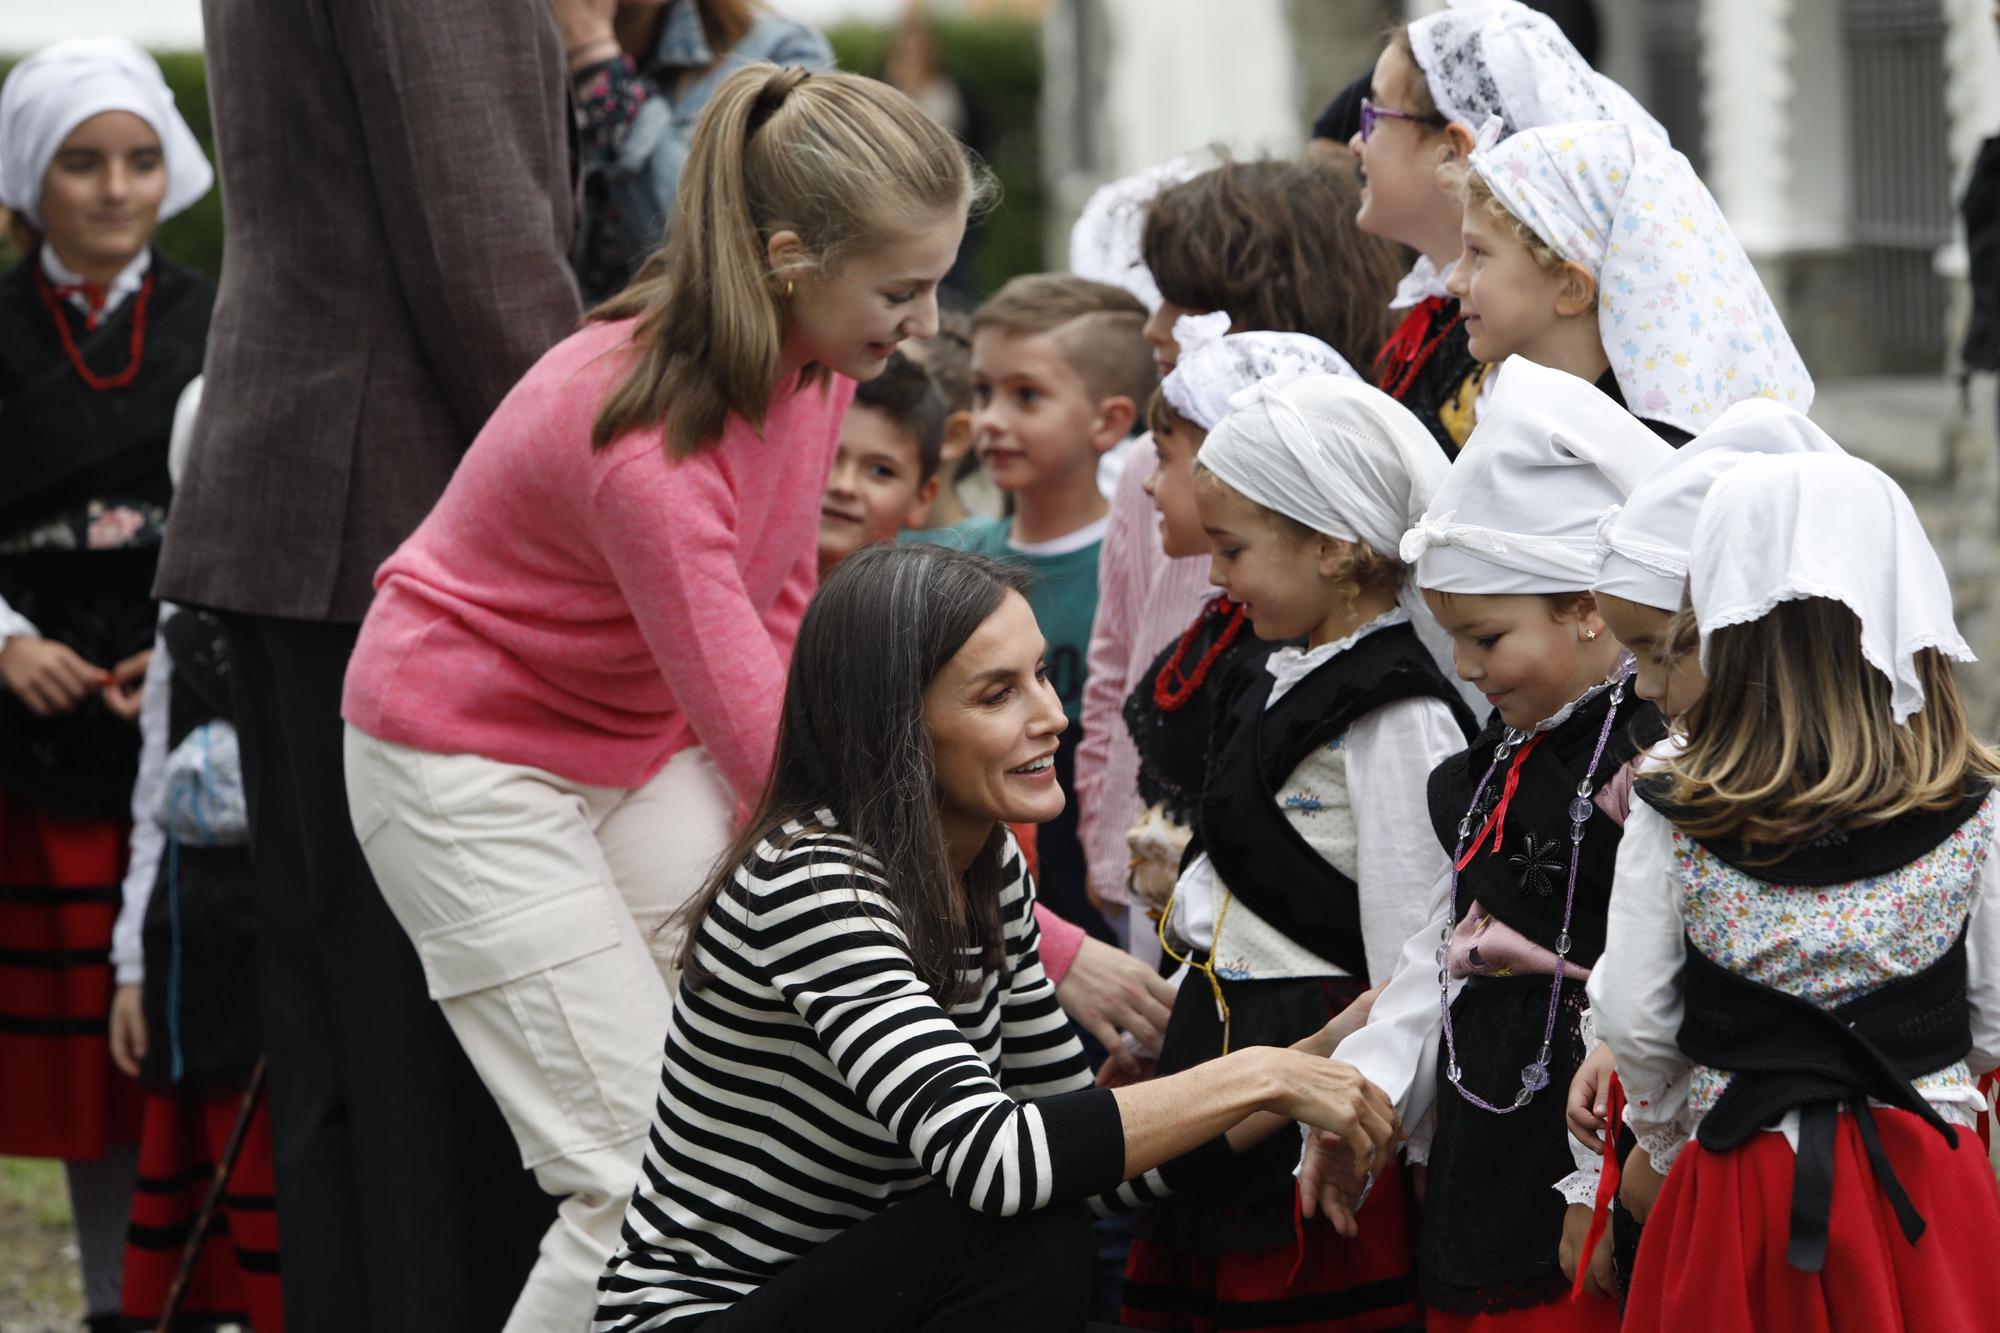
562 1017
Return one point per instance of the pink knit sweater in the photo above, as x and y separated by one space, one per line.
594 613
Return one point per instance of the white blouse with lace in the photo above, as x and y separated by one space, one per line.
1358 801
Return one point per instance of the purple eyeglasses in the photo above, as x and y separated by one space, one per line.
1370 113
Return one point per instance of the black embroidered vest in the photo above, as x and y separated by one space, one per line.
1785 1052
1490 1240
1256 851
1521 873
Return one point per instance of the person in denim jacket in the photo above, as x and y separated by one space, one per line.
644 69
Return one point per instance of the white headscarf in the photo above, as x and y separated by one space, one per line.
59 87
1104 242
1205 378
1518 512
1685 320
1486 58
1643 546
1339 456
1778 528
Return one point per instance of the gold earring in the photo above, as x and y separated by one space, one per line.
789 285
1590 634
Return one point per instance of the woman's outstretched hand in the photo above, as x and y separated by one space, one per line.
1356 1131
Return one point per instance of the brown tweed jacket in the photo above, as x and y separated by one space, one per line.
397 188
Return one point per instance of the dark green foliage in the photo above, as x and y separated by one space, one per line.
1000 63
998 60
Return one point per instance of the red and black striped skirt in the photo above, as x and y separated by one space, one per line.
235 1279
1321 1281
59 895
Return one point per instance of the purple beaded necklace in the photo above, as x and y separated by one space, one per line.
1534 1075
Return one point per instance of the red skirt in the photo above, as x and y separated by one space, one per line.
235 1280
1323 1282
1712 1256
59 894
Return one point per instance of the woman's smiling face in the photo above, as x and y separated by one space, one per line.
993 719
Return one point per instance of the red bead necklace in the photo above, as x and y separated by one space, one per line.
1171 690
99 383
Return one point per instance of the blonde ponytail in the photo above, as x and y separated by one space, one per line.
845 162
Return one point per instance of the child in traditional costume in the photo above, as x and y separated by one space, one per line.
1481 1022
1800 978
1641 590
1443 79
1313 859
1594 248
98 336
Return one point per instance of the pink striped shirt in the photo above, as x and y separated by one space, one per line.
593 613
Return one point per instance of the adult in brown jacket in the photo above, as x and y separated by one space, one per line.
397 188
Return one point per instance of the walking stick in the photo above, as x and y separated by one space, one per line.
191 1251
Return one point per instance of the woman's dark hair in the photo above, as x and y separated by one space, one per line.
851 739
1275 245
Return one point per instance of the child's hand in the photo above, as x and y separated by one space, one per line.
1640 1184
128 1030
1597 1280
48 677
125 692
1342 1025
1587 1093
1330 1184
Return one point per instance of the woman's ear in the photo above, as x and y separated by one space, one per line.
786 254
1578 293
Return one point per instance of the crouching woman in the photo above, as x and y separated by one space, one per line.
872 1113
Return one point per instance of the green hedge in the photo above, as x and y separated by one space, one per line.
1000 63
999 60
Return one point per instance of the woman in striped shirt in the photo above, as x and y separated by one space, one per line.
872 1112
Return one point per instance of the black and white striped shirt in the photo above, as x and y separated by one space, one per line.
815 1080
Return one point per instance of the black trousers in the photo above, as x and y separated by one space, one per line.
931 1265
402 1203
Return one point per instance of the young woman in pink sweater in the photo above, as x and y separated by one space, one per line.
568 685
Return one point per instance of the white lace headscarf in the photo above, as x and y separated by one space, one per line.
1486 58
59 87
1210 374
1339 456
1643 545
1104 242
1779 528
1684 318
1518 511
